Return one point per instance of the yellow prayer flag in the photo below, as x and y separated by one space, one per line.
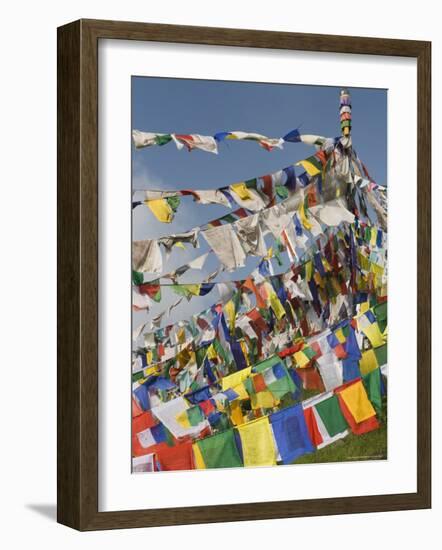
257 443
198 457
245 351
160 209
276 305
241 190
236 378
211 352
355 397
236 413
377 269
149 371
229 310
309 270
240 389
183 357
340 336
368 362
181 336
263 400
193 289
149 357
308 167
301 359
303 217
373 333
183 419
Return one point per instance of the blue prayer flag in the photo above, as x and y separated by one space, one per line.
291 433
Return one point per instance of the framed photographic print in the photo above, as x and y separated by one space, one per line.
243 275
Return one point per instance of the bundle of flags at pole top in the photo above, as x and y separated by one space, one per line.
232 385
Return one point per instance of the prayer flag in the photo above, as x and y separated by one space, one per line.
368 361
291 433
219 451
178 457
257 443
331 415
355 397
161 209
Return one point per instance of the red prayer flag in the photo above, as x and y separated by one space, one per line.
142 422
312 426
259 383
139 450
136 410
340 351
179 457
311 379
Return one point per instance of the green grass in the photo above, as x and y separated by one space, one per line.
369 446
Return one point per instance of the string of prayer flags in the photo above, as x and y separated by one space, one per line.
209 144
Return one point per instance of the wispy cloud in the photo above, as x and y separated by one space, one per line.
144 178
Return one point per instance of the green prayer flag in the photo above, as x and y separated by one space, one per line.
174 202
263 365
330 413
372 383
222 352
282 191
381 354
248 384
195 415
282 386
229 218
380 312
137 278
162 140
200 354
251 184
222 423
310 352
137 376
220 451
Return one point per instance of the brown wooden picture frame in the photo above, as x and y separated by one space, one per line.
77 224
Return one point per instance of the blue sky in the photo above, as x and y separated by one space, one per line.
184 106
